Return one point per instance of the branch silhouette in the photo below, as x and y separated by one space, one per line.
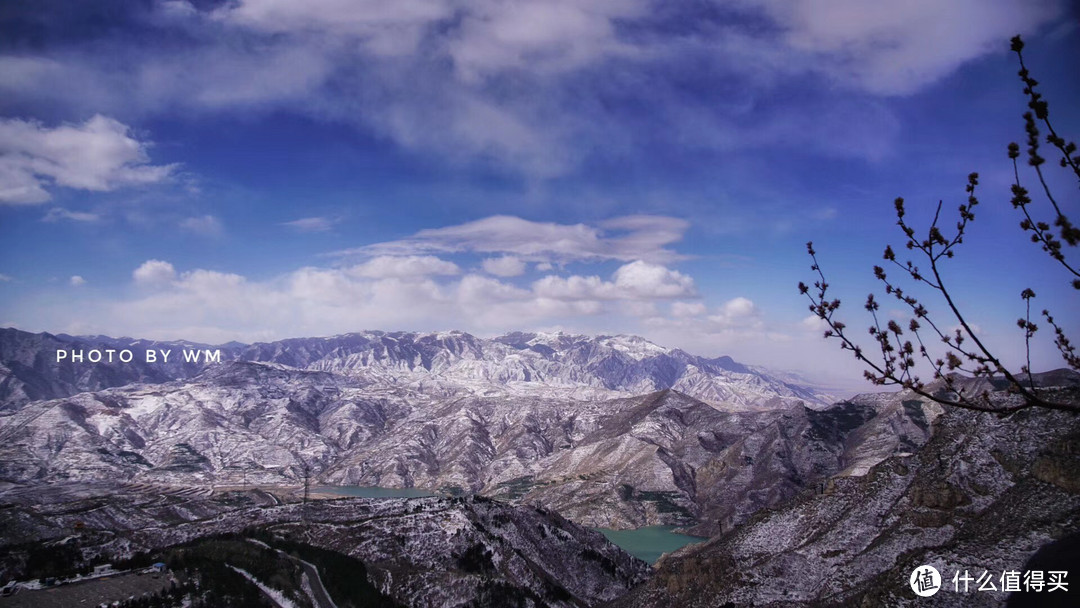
896 356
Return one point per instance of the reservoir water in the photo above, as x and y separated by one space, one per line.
647 543
650 542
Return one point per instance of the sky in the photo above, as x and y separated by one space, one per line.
261 169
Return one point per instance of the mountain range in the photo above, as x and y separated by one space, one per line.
595 428
805 502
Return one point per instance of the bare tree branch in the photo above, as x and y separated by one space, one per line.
897 358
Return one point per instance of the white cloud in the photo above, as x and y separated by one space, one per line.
647 280
76 281
625 239
739 307
310 224
738 316
638 308
506 266
688 309
634 281
737 312
479 290
205 225
403 266
417 293
550 36
575 288
387 28
525 86
57 214
5 278
814 324
900 47
98 155
480 37
154 272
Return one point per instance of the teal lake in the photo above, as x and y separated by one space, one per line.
372 492
650 542
647 543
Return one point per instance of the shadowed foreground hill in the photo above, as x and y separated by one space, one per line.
420 552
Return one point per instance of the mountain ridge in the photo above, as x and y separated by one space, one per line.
445 363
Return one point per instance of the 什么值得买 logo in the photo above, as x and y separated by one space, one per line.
925 581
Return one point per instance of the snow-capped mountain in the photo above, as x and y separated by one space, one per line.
610 430
441 363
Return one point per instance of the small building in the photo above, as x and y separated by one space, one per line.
160 567
102 569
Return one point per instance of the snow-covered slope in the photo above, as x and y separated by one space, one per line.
983 494
663 457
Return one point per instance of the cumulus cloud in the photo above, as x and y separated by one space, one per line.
98 155
216 306
479 290
422 292
506 266
76 281
625 239
634 281
688 309
646 280
310 224
738 316
204 225
737 312
404 266
154 272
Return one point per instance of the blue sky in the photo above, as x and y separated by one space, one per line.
262 169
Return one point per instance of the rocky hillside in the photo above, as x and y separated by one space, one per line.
658 458
420 552
983 495
440 364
